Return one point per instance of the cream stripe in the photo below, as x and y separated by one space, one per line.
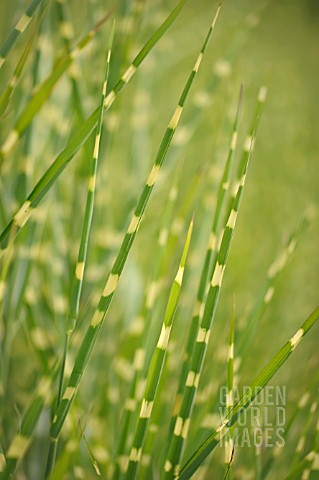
135 455
262 94
23 214
179 276
146 409
218 275
69 393
203 335
198 62
153 175
111 285
175 118
96 146
128 74
23 23
134 223
18 447
10 142
97 318
249 144
296 338
232 219
269 294
164 337
109 99
234 141
92 183
79 270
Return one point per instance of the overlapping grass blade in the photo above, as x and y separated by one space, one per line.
156 366
18 30
210 253
180 432
44 90
9 89
53 172
257 385
141 353
110 287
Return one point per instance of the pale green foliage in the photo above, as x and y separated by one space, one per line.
96 195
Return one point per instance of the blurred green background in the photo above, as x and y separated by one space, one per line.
272 42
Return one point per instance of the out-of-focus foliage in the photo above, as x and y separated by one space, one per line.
254 43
